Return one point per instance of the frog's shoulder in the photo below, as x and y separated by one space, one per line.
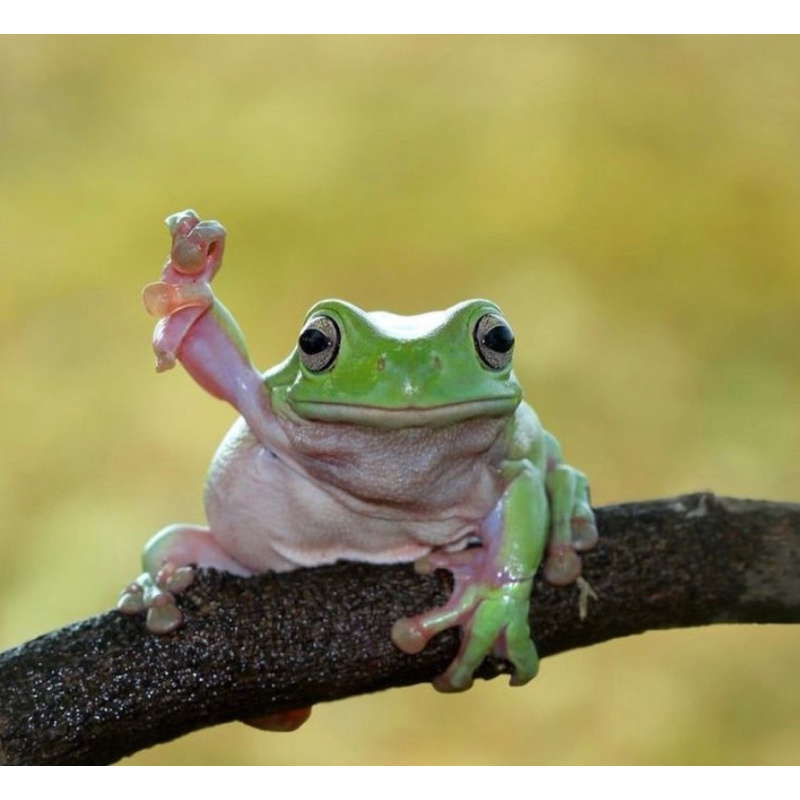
525 434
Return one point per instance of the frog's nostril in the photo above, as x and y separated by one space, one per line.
380 364
436 361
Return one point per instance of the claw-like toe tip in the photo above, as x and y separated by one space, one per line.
449 685
408 637
210 229
131 600
163 619
164 362
188 216
188 256
155 297
180 580
521 678
584 534
563 565
424 566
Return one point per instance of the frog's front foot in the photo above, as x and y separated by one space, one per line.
493 616
155 595
183 295
194 259
197 245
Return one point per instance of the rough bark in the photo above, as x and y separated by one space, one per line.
104 688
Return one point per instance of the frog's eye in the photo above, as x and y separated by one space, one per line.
494 341
319 343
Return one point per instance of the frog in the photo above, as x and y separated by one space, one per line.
381 438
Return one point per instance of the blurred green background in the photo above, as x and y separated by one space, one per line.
631 202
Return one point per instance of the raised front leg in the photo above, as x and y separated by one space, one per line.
491 596
195 328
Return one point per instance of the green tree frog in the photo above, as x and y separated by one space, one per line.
381 438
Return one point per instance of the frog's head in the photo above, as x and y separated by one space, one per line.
385 370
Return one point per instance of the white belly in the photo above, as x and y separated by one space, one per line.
378 496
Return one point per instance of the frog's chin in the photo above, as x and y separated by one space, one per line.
404 417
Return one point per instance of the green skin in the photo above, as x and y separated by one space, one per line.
380 438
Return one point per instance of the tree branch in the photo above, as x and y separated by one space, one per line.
104 688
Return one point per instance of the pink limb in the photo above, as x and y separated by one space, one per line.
196 329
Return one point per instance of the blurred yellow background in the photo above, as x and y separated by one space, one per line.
632 203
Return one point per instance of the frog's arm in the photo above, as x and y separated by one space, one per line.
195 328
491 595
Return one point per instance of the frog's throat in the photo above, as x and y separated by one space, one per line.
406 417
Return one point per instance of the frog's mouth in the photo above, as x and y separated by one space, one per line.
406 416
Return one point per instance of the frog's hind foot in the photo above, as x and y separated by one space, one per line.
155 595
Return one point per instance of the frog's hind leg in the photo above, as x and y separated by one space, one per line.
169 560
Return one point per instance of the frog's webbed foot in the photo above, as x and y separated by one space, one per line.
493 616
183 294
197 246
194 259
169 561
155 595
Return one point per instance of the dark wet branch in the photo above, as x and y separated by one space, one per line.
101 689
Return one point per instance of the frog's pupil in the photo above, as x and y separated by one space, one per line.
500 339
313 341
